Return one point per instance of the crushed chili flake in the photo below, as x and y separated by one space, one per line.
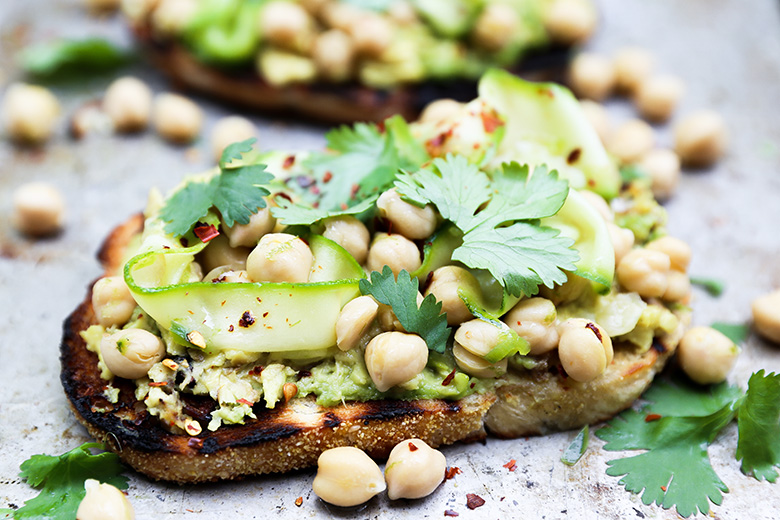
449 378
474 501
327 177
299 501
652 417
223 303
490 121
247 320
314 190
574 156
205 232
244 401
158 383
353 191
184 242
472 385
256 371
413 447
343 205
289 161
259 300
450 472
265 314
595 330
663 488
231 328
450 512
511 465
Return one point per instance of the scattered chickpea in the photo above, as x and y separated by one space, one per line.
229 130
280 257
347 477
171 17
444 285
104 502
414 470
663 166
334 55
585 349
631 141
130 353
287 25
128 103
29 113
622 240
678 251
569 22
706 355
644 271
177 118
678 287
591 76
393 358
598 116
395 251
353 321
260 223
349 233
219 253
534 319
407 219
39 209
658 96
766 315
495 27
700 138
440 110
340 15
632 66
372 35
112 301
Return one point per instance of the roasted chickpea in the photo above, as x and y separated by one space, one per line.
372 35
584 349
535 320
334 55
39 209
622 240
569 21
440 110
260 223
591 76
663 166
632 66
658 96
414 470
112 301
495 27
171 17
128 103
229 130
280 257
700 138
347 477
645 271
393 358
353 321
104 502
766 315
29 113
349 233
678 287
130 353
395 251
407 219
177 118
678 251
598 116
445 283
219 253
475 366
706 355
631 141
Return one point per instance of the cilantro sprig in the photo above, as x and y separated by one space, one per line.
499 219
61 480
676 428
237 191
401 295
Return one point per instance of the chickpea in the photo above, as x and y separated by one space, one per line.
475 366
171 17
632 66
349 233
102 6
706 355
388 321
678 287
495 27
414 470
599 204
534 319
334 55
622 240
341 15
407 219
700 138
29 113
177 118
314 6
402 12
226 274
393 358
347 477
678 251
569 21
658 96
353 321
128 103
229 130
260 224
644 271
39 209
280 257
766 315
104 502
112 301
444 285
663 166
631 141
372 35
395 251
591 76
598 117
287 25
219 253
440 110
585 349
130 353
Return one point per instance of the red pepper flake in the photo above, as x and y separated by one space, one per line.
327 177
472 385
184 242
223 303
413 447
158 383
595 330
591 183
265 314
343 206
450 512
256 371
259 300
231 328
490 121
205 232
289 161
244 401
450 472
652 417
511 465
299 501
353 191
663 488
247 320
381 127
314 190
574 156
449 378
474 501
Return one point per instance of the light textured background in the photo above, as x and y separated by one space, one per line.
728 51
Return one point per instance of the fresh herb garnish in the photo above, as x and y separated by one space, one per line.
61 480
236 191
712 285
401 295
676 429
297 214
577 447
504 237
72 57
736 332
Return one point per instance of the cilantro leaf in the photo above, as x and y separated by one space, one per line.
401 294
712 285
759 427
682 397
235 152
576 448
297 214
736 332
62 480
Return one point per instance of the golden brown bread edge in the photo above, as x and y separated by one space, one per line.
292 435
